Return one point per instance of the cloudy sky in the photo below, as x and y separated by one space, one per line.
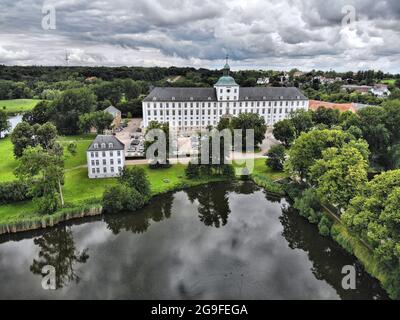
256 34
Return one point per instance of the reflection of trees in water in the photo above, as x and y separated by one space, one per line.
213 203
57 249
327 257
158 209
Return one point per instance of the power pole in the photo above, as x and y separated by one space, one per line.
66 58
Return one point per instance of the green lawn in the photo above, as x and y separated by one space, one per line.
18 105
7 161
389 81
261 169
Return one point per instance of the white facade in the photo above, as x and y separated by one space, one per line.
194 109
105 158
189 116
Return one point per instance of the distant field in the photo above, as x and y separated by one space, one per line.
389 81
18 105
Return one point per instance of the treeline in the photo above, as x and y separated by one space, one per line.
348 162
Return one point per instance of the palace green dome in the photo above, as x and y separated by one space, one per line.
226 81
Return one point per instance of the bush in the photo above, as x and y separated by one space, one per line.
228 171
47 204
324 226
268 184
14 191
308 206
276 157
136 178
122 198
192 171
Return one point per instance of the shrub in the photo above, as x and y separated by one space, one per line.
324 226
308 206
122 198
14 191
136 178
47 204
276 157
192 171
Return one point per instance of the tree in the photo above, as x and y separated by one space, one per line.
136 178
192 170
309 147
99 120
276 157
22 137
329 117
373 127
284 131
66 109
46 169
4 123
302 121
374 216
131 89
341 173
40 114
121 198
109 90
250 121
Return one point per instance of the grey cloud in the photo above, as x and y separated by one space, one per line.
188 32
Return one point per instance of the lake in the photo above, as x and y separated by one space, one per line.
220 241
13 122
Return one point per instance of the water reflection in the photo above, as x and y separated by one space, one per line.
327 257
140 221
213 204
221 241
57 249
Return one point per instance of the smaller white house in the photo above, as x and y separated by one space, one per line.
105 157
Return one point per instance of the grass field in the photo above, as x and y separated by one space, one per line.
8 162
18 105
79 188
389 81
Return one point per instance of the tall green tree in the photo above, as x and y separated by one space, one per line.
284 131
250 121
66 109
309 147
341 173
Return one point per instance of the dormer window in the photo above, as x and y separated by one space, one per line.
264 98
103 145
247 98
96 146
209 98
111 145
173 98
191 98
298 97
281 97
154 99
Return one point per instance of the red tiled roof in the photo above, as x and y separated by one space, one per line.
342 107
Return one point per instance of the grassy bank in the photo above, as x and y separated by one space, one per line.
8 163
80 192
18 105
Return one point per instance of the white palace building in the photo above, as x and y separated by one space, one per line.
194 109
